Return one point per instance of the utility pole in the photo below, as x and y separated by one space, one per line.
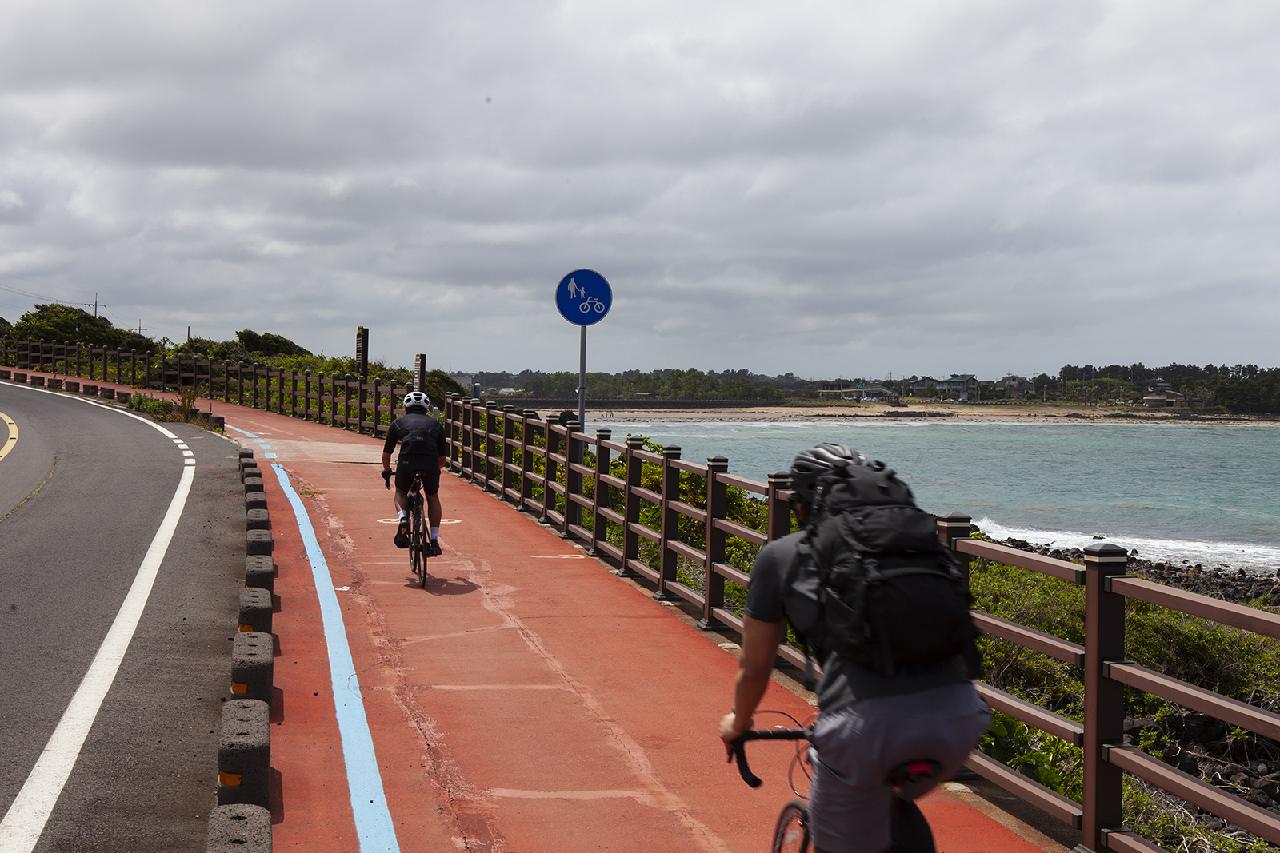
95 303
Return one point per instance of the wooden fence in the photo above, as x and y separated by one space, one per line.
565 477
561 474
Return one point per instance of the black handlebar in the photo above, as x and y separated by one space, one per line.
739 748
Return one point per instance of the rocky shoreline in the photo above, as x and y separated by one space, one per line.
1224 582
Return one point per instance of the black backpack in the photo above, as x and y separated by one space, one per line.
872 582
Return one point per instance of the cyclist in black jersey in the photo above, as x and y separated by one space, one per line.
423 450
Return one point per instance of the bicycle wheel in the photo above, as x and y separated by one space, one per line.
420 543
792 830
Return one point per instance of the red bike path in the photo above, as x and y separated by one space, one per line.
527 700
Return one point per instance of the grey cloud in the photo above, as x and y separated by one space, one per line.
998 186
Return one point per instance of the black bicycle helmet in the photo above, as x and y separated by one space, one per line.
810 465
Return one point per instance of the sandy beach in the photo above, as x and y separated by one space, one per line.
954 412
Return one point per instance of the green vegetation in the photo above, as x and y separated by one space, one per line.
1243 389
1235 663
63 323
6 328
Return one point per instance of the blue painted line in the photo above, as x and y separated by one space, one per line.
241 431
269 455
374 828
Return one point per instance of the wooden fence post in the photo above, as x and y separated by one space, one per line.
716 539
572 479
1103 698
550 472
779 509
599 530
490 412
951 529
526 459
508 448
670 522
631 504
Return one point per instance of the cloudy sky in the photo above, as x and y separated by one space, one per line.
826 188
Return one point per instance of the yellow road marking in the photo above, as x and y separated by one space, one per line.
12 441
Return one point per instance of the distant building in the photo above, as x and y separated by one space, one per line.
1160 395
1014 386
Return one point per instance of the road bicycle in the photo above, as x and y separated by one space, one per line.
418 542
791 831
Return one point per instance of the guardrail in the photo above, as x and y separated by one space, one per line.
563 475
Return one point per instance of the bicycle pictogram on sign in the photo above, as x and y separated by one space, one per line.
583 297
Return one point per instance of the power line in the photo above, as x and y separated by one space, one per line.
43 297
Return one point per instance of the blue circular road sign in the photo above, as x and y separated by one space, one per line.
583 297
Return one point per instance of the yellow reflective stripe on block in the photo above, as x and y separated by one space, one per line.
228 780
246 628
12 441
239 688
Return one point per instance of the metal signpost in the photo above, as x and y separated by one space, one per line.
583 297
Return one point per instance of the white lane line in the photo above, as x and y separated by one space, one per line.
24 822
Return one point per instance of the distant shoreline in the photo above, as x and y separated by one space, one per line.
951 413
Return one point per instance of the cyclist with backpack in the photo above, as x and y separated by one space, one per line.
423 450
869 588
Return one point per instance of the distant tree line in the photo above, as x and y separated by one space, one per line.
64 323
1241 389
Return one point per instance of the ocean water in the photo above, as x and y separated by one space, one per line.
1174 492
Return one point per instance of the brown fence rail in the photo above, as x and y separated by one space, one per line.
564 477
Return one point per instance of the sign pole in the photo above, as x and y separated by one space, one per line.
582 381
583 297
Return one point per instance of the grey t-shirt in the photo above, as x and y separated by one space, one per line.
842 682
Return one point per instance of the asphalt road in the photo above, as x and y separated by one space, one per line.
82 494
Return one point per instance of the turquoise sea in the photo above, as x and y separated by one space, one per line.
1202 493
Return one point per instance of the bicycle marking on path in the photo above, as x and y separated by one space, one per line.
24 823
374 827
12 441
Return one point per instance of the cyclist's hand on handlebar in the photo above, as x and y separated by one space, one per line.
730 732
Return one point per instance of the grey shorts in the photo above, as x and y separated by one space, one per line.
855 748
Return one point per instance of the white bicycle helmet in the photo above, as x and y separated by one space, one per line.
417 398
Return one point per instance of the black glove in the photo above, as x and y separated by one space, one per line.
386 476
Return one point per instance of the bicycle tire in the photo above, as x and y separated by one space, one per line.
420 543
791 833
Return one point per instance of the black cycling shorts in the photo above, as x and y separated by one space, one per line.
405 469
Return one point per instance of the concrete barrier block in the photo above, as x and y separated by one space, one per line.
259 543
244 753
255 500
107 393
239 828
253 484
73 385
37 381
218 422
89 390
255 610
245 453
20 378
250 470
54 383
260 573
124 396
257 519
252 665
6 375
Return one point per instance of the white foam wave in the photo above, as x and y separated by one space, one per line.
1255 559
